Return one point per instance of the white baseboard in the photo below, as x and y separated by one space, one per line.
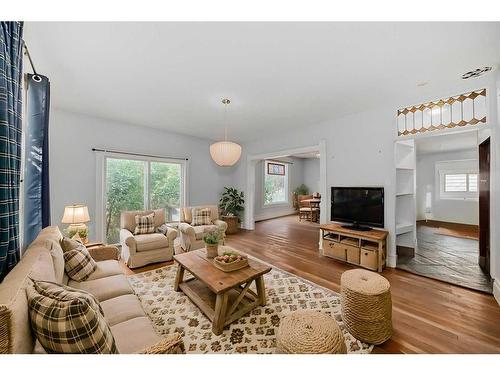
496 290
391 261
273 215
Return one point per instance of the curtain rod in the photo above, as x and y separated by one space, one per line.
135 154
29 57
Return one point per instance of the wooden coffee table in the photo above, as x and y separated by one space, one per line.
222 296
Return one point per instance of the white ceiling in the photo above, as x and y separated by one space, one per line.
447 143
279 76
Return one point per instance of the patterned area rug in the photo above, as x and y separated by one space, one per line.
254 333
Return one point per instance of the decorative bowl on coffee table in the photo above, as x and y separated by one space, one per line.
230 261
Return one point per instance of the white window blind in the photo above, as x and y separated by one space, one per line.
455 182
473 182
460 182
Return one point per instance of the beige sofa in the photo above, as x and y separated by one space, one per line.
191 237
43 260
142 249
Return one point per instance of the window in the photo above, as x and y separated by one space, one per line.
275 183
139 184
461 182
458 179
455 182
472 182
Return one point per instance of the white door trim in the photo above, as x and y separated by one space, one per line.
252 160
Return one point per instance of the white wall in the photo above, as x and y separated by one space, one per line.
453 211
359 152
311 174
73 164
296 177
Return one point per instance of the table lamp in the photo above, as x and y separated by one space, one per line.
76 216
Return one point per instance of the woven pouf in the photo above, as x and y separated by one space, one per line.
309 332
366 305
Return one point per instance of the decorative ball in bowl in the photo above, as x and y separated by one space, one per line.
230 261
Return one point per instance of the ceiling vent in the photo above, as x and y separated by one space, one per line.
476 73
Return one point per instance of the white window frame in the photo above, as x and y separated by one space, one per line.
101 198
448 168
286 202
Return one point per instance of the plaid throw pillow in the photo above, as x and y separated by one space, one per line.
78 263
69 243
201 216
67 320
144 224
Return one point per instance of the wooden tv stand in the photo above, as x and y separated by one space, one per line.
362 248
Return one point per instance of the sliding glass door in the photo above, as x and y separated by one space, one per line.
139 184
165 188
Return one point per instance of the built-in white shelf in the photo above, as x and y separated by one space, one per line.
405 155
408 144
406 239
405 160
404 193
404 228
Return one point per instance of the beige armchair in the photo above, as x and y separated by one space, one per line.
139 250
191 237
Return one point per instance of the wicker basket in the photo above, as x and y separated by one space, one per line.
309 332
366 305
232 224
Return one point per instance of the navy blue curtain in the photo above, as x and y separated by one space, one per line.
36 197
11 104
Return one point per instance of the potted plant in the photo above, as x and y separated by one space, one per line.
211 244
299 190
231 205
80 233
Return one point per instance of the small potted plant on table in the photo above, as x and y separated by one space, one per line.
211 244
231 204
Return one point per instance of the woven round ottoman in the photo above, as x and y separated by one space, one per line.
309 332
366 305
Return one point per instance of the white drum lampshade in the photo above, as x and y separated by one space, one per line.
225 153
75 214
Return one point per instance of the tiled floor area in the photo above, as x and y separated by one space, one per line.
446 258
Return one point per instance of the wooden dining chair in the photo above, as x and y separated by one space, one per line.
306 209
315 211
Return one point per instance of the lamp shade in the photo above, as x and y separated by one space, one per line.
75 214
225 153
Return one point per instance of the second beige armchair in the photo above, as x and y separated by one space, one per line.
191 236
141 249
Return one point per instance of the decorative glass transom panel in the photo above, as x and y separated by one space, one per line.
275 169
460 110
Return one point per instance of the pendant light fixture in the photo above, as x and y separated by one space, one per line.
225 153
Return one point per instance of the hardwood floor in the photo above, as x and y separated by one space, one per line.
447 258
452 229
429 316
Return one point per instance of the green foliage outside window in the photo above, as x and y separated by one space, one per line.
126 188
274 189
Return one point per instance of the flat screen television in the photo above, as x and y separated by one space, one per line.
362 207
